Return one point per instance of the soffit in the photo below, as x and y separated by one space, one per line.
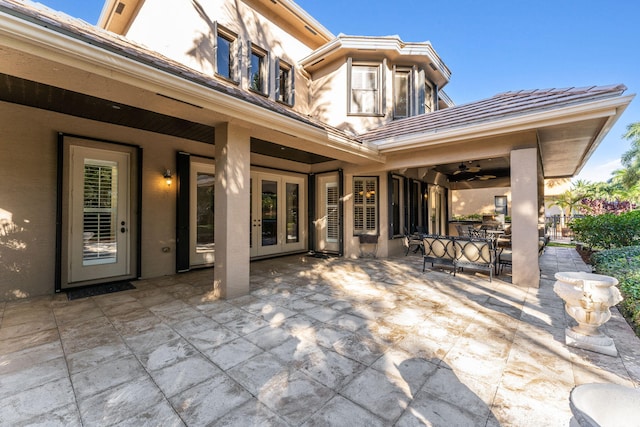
293 19
50 98
117 15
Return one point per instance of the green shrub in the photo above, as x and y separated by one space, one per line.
624 265
608 231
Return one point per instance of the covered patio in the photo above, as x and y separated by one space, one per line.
317 341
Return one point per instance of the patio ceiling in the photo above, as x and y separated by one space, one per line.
475 170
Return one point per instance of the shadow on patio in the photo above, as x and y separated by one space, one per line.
317 342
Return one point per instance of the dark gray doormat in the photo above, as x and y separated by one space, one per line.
92 291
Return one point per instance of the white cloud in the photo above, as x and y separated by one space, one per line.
599 172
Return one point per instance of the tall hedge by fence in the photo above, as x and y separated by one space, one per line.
608 230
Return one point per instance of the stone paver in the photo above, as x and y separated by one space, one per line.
318 342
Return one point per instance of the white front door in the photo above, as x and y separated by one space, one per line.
278 222
201 226
99 214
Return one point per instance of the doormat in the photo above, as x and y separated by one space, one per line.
105 288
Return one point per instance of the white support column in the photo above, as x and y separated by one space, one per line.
232 216
524 217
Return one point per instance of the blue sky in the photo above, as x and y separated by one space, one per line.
498 45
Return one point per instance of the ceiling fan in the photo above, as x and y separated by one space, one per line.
462 168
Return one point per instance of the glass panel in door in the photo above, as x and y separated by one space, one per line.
202 244
99 231
269 217
293 206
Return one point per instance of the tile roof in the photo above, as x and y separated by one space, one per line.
503 105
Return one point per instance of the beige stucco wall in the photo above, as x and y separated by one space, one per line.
28 164
180 31
478 201
470 201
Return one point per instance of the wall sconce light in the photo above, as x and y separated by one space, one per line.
167 176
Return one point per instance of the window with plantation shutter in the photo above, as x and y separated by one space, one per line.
365 205
332 212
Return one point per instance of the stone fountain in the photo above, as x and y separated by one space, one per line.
587 298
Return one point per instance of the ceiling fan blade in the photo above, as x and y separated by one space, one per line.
457 172
474 169
486 177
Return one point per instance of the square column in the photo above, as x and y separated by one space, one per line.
524 217
232 216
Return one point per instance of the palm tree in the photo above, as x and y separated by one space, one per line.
568 202
630 175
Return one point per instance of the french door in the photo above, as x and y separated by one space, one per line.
278 222
99 214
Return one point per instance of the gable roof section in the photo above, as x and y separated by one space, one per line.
501 106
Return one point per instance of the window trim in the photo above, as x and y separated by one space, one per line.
281 65
366 207
234 54
264 55
379 106
408 71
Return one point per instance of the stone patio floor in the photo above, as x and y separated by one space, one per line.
318 342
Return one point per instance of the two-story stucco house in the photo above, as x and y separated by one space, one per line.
196 133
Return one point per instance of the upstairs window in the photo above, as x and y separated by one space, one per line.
425 93
402 92
227 55
284 82
365 88
257 69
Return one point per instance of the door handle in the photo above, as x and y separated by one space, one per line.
123 229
